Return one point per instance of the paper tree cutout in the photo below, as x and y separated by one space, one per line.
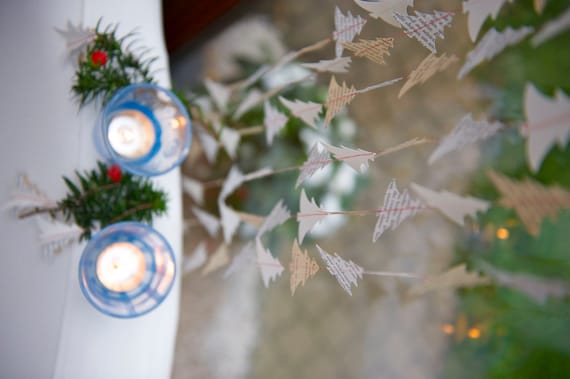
269 266
466 132
252 98
219 259
194 189
492 43
430 66
478 11
532 201
552 28
338 97
310 215
425 27
455 277
230 220
358 159
347 273
278 215
302 267
385 9
196 260
76 36
219 93
208 221
229 138
209 144
538 289
55 235
273 121
453 206
548 123
338 65
234 179
346 28
244 258
27 196
316 160
306 111
375 50
397 207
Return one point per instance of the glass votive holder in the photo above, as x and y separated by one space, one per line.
127 269
145 129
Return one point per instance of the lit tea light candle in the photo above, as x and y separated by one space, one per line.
131 134
121 267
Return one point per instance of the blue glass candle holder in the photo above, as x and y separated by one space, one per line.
127 270
145 129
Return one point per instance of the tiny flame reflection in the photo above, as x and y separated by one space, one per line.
474 333
502 233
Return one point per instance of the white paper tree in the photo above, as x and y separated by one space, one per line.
385 9
273 121
346 272
317 159
552 28
455 207
492 43
477 12
397 207
357 159
346 28
547 124
427 68
306 111
210 222
338 65
466 132
269 266
309 215
278 215
425 27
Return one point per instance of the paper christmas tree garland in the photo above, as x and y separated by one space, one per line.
306 111
455 277
348 273
492 43
385 9
375 50
548 123
338 65
346 28
427 68
425 27
274 121
478 11
532 201
302 267
466 132
552 28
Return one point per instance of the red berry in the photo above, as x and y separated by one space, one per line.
114 172
99 58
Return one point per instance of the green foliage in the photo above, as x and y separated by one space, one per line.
95 81
97 201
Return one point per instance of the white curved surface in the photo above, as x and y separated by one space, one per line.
47 328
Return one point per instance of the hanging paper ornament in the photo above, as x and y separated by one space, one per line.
273 121
358 160
532 201
455 277
424 27
208 221
317 159
302 267
306 111
347 273
427 68
466 132
492 43
455 207
269 266
219 93
375 50
547 124
552 28
477 12
219 259
385 9
397 207
346 28
339 65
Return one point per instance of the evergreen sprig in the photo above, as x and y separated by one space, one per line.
99 81
98 201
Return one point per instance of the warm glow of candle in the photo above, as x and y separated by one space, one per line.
121 267
131 134
502 233
474 333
